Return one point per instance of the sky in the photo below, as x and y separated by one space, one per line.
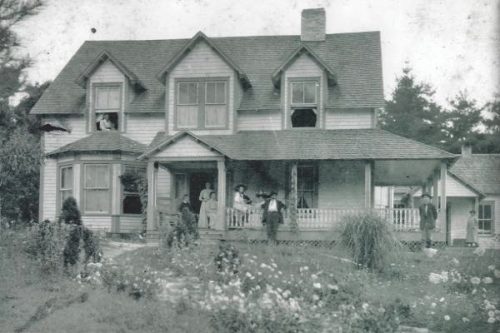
454 45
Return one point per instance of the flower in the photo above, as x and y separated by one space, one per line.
455 261
497 273
487 280
446 317
475 280
491 313
333 287
491 320
479 251
433 305
317 285
491 267
465 319
315 297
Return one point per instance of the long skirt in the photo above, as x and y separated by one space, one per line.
471 233
202 218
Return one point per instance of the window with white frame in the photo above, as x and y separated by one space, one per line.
306 186
96 187
201 103
65 183
131 199
304 102
107 106
485 217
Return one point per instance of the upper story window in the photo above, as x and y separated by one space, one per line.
304 102
107 107
201 104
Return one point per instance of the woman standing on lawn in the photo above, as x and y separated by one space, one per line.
471 239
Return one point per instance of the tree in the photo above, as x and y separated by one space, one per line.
411 112
489 142
460 123
19 150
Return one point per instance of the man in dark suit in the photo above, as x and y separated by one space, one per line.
272 216
428 216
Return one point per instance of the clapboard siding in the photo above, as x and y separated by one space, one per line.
57 139
163 183
349 118
143 127
454 188
187 147
101 223
130 224
107 72
341 184
259 120
202 61
304 66
49 189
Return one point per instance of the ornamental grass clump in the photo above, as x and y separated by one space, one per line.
370 239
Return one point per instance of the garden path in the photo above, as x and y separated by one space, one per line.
173 288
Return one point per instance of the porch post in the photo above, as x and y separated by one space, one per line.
292 209
151 225
442 211
368 185
435 188
221 195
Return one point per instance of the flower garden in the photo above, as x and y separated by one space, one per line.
251 287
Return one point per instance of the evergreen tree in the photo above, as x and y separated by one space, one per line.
411 112
489 141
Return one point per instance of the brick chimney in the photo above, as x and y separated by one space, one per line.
313 25
466 149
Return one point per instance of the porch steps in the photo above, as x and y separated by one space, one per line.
210 236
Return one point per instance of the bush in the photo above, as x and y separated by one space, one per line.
70 214
46 243
370 240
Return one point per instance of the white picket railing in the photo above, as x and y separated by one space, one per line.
402 219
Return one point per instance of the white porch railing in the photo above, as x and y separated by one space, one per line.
402 219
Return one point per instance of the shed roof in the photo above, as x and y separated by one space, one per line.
480 171
111 141
311 144
355 59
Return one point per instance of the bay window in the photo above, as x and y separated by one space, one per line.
201 103
96 188
65 183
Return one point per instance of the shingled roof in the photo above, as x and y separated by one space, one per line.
314 144
355 59
111 141
480 171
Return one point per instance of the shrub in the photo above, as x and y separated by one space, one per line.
46 243
370 240
70 214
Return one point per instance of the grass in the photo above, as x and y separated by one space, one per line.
403 285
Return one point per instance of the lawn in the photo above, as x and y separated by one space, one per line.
264 288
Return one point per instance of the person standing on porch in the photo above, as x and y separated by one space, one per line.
241 204
472 224
204 197
272 216
428 216
212 206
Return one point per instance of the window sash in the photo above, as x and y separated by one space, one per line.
207 108
485 218
66 178
108 99
97 188
304 92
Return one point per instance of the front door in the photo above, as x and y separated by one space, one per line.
197 182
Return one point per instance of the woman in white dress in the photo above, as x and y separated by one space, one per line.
211 207
204 197
241 204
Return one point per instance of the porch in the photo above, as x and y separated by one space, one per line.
318 189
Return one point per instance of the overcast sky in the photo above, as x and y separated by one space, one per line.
452 44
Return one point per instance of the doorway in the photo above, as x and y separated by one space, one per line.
197 182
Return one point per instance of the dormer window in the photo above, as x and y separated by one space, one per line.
201 103
107 107
304 102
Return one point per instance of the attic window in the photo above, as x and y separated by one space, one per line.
107 107
303 101
303 118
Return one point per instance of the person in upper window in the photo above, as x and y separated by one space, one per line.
272 215
104 122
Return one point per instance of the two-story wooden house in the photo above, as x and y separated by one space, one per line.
294 114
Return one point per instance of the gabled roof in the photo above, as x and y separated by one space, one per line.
161 142
111 141
302 49
200 36
479 171
98 61
313 144
355 57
